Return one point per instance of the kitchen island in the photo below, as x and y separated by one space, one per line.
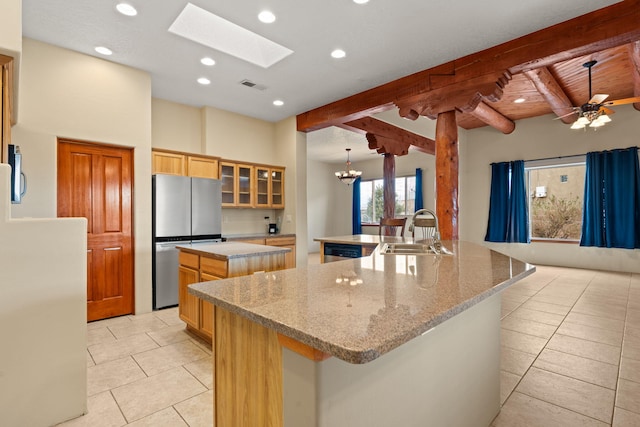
407 340
199 262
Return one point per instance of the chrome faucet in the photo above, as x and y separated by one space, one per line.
436 247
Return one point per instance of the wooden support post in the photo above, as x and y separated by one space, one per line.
447 175
634 56
389 187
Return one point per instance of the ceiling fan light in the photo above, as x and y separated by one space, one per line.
604 118
583 121
577 125
596 124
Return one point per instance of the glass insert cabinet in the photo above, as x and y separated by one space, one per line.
269 187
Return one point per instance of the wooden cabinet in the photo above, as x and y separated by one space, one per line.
199 315
237 184
269 187
285 242
184 164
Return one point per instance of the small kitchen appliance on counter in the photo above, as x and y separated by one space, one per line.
273 228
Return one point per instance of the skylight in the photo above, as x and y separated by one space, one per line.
201 26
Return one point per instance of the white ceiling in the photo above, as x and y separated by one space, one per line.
384 40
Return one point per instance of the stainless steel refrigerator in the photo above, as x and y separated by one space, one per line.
185 210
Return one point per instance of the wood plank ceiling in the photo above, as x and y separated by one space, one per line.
545 68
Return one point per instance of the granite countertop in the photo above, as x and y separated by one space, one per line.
230 250
256 236
359 309
363 239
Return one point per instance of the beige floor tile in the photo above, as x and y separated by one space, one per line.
589 349
115 373
530 327
633 318
203 370
99 336
206 346
591 334
522 342
538 316
508 382
630 369
167 417
197 411
131 345
504 312
509 304
602 310
534 304
588 370
108 322
170 316
525 411
595 321
624 418
137 326
149 395
555 300
102 412
631 350
514 361
587 399
90 361
164 358
596 298
519 294
170 335
628 396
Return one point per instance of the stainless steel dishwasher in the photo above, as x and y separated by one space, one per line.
341 251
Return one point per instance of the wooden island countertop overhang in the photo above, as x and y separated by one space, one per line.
413 338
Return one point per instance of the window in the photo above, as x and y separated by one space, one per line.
371 198
556 194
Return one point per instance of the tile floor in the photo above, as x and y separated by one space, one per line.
570 357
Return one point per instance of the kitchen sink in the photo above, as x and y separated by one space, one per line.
411 249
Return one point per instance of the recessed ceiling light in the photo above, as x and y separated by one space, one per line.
338 53
519 100
278 103
126 9
208 61
103 50
204 81
266 17
361 1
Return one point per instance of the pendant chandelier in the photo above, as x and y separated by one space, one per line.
350 175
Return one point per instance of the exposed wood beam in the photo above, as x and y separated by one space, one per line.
602 29
634 56
493 118
389 187
382 129
551 91
447 165
384 145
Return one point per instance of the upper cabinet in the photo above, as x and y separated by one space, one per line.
269 187
237 182
176 163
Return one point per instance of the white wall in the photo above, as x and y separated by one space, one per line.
67 94
176 126
536 138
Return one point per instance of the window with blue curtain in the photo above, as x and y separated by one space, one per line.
356 223
611 213
508 214
419 203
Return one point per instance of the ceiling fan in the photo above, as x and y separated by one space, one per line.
595 112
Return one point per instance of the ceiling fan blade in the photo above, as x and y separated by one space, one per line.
598 98
607 111
566 115
623 101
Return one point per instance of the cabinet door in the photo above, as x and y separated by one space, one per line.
262 187
169 163
207 310
202 167
245 186
188 305
277 188
228 178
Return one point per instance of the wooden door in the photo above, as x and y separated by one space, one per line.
96 182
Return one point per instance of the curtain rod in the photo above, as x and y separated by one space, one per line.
565 157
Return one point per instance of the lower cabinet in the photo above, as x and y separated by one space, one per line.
285 242
199 315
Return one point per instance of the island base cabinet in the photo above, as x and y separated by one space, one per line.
449 376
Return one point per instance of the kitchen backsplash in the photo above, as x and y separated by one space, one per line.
247 221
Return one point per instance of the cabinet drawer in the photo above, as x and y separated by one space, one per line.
280 241
189 260
213 266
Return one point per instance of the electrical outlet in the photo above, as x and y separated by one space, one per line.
288 218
